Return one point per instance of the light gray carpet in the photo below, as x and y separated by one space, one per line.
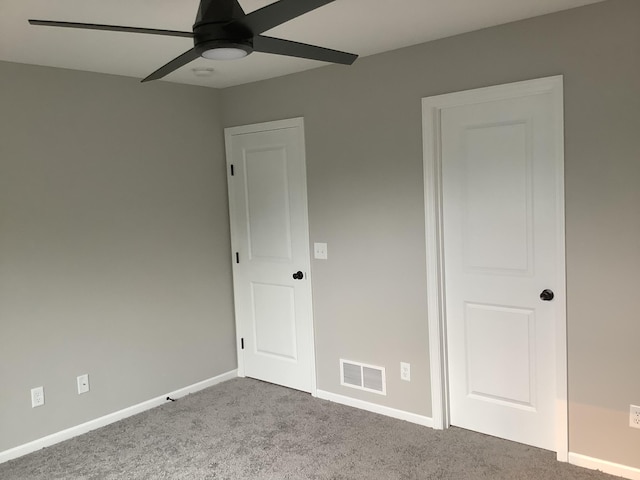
246 429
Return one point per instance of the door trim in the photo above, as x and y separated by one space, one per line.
432 170
297 122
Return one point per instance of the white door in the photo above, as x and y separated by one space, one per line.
503 246
272 289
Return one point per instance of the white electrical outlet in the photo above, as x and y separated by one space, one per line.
83 383
634 416
405 371
37 397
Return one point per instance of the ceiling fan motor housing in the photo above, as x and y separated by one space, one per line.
213 35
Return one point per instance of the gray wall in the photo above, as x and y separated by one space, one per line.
114 245
364 155
114 241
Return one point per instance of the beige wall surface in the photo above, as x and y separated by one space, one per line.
364 157
114 245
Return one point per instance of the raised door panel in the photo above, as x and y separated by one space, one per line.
274 321
496 196
268 210
500 351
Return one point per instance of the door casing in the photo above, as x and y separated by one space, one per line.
432 169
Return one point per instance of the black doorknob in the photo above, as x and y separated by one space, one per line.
546 295
298 275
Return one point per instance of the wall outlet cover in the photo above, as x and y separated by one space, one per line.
405 371
37 397
83 383
634 416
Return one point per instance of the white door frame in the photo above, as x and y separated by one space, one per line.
262 127
432 163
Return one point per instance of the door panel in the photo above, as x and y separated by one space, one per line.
267 203
496 203
268 210
500 354
500 243
274 320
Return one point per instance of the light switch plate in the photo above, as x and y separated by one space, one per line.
320 251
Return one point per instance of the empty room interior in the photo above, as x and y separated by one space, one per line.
122 253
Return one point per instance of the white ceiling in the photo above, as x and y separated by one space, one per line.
364 27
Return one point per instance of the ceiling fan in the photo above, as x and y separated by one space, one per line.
223 31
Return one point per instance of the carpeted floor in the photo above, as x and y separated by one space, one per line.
245 429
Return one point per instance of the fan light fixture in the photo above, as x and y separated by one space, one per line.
224 53
223 31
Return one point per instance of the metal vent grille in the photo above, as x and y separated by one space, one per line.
363 377
352 374
372 379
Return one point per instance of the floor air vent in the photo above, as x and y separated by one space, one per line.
363 377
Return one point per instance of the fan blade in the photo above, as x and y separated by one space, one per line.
218 11
174 64
111 28
278 13
301 50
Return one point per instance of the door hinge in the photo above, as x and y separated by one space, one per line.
232 170
237 257
242 343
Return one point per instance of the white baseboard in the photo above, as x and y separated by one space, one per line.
110 418
604 466
375 408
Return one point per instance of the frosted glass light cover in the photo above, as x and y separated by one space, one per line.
224 53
